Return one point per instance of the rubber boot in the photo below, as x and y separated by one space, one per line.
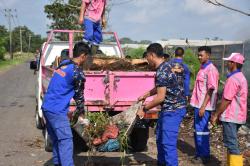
235 160
89 62
90 58
94 49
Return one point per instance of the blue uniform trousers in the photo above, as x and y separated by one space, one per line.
59 130
93 32
166 136
201 133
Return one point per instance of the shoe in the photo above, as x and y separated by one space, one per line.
89 61
235 160
160 164
94 49
206 160
196 161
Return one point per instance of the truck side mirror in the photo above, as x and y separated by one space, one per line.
33 65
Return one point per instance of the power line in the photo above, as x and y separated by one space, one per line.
29 42
21 39
20 31
13 20
16 17
18 20
2 12
8 14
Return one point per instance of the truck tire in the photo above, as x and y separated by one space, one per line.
39 121
139 136
47 141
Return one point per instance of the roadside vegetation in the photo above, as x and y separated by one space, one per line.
22 46
19 58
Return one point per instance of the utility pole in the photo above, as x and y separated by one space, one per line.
8 15
29 42
21 40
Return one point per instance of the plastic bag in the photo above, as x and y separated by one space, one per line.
110 146
111 132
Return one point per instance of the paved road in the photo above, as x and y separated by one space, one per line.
21 144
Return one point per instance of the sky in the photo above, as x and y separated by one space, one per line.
152 19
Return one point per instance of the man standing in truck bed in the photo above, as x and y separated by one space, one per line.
92 17
67 82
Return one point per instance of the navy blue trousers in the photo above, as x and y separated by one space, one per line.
93 32
59 130
201 134
166 136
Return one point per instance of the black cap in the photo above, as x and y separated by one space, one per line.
144 54
179 51
166 56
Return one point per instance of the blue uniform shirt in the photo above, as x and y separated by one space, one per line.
183 77
66 83
175 97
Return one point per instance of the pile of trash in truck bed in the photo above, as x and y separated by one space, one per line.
107 134
119 64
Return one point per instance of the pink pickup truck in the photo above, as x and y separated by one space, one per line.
114 91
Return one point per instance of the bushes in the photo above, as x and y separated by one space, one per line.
134 53
192 61
193 64
2 48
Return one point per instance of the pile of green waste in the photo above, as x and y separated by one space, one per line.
105 133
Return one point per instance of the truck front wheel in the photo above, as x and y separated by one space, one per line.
39 121
47 141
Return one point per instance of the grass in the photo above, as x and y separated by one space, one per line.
18 59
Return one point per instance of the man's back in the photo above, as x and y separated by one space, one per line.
175 93
60 90
183 74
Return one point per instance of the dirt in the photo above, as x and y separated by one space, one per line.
36 143
118 64
218 151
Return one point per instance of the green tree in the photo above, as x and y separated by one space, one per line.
145 42
3 31
135 53
2 48
126 40
35 40
4 35
63 15
193 64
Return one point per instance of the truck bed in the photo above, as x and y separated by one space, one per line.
113 90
